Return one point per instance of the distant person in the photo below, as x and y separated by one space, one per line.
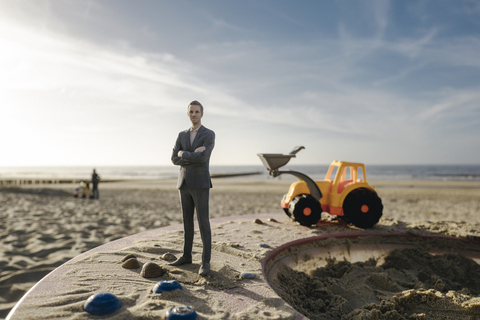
95 181
192 152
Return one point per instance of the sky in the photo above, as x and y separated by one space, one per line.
108 82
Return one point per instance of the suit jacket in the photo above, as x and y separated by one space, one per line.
194 166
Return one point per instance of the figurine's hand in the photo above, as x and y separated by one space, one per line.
200 149
179 154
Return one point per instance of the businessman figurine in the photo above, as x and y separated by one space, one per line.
192 152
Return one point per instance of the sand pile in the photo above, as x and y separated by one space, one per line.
410 284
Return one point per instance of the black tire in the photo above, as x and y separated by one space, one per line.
362 208
305 210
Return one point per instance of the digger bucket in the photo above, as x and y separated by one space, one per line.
273 161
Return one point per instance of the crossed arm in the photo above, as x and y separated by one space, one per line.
199 149
200 155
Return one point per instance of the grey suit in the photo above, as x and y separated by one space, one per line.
194 187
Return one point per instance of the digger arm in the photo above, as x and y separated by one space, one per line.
314 190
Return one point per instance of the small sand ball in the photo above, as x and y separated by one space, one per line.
152 270
128 256
258 221
168 256
131 263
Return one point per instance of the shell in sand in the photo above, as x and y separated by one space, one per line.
131 263
128 256
168 256
152 270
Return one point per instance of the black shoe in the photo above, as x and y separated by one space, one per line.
180 261
204 269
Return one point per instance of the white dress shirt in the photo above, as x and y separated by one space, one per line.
193 134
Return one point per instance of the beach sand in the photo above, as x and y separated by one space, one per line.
42 227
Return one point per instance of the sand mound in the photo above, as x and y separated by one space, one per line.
410 284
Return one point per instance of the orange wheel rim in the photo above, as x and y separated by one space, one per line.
364 208
307 211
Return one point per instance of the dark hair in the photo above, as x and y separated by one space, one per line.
196 103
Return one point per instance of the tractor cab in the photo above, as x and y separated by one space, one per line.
343 174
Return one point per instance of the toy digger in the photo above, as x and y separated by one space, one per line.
344 192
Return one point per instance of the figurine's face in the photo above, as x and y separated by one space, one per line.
195 114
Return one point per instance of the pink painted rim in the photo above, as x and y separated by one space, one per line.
305 241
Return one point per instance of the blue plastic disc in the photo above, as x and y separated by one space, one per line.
264 245
166 285
102 303
247 275
181 313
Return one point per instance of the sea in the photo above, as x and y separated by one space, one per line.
316 172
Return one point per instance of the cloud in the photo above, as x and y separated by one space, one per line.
381 12
365 86
452 105
55 63
412 47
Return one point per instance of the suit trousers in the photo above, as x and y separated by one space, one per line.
191 198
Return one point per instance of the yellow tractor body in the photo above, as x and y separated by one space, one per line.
342 177
345 192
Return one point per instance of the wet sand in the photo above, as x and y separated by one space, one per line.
43 228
